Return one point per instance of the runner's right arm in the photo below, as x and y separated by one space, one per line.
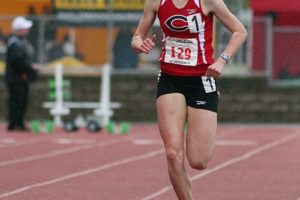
140 42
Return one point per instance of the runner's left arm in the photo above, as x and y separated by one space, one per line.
238 36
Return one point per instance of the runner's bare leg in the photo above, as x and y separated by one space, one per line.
171 111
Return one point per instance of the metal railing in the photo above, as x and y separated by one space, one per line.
275 52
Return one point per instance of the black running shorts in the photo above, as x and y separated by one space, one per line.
200 92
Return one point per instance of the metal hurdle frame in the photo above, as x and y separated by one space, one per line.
103 109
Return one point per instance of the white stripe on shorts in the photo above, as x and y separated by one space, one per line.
209 84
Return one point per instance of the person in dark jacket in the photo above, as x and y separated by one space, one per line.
19 72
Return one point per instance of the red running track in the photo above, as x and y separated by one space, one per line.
250 163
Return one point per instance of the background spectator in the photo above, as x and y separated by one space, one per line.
19 73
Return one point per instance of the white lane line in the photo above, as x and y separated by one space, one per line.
32 141
74 141
151 141
229 133
143 141
147 142
61 152
8 140
228 163
236 142
85 172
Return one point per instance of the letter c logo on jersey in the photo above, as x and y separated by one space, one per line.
177 23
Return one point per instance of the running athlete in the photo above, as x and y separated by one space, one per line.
186 90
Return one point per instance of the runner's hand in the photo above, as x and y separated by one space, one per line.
215 69
143 46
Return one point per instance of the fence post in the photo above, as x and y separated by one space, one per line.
269 48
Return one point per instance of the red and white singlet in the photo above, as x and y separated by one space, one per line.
187 39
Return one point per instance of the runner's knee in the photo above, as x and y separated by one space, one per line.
174 157
199 163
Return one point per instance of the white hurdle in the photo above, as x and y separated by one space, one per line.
102 108
104 111
58 109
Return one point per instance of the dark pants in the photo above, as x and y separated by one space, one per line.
17 104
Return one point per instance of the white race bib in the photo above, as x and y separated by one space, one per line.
181 51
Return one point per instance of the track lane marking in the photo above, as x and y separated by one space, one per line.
7 140
143 141
61 152
81 173
32 141
228 163
85 172
236 143
63 141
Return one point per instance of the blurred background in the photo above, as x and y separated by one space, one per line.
261 84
